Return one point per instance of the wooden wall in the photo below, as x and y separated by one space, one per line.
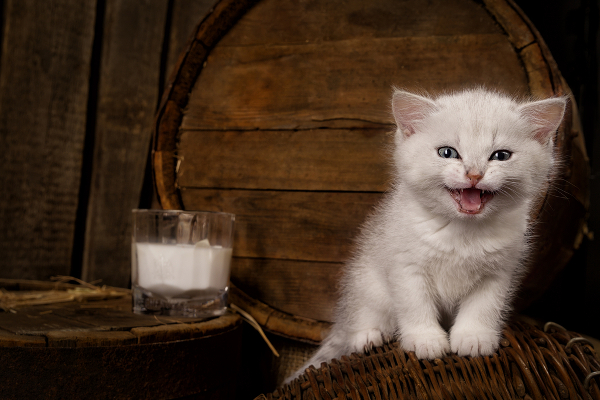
79 85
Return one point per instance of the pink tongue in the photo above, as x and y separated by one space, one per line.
470 199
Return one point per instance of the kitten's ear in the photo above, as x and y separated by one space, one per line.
545 116
409 109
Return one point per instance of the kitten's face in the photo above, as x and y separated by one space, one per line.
473 157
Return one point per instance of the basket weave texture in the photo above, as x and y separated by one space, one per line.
531 364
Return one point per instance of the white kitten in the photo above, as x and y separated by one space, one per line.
437 263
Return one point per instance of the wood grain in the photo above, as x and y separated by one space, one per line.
538 73
36 322
300 22
186 15
44 72
337 84
288 284
291 326
308 226
517 29
128 94
205 329
317 159
8 339
106 315
90 339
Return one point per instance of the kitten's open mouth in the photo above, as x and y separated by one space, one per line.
470 201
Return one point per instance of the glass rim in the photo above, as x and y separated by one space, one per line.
156 211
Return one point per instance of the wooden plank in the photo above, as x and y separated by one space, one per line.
334 84
89 339
186 15
170 333
44 73
309 226
305 289
9 339
103 315
323 159
518 30
538 71
291 326
128 94
35 321
276 22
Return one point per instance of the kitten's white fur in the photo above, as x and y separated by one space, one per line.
438 278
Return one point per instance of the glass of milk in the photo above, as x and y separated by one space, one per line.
181 262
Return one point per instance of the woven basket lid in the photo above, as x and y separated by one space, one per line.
532 363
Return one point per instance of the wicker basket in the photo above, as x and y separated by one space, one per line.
531 364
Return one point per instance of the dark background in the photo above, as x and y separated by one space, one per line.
571 32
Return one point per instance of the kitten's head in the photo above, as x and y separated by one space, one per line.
475 153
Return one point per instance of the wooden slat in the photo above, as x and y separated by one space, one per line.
309 226
35 321
538 72
103 315
519 32
274 320
276 22
305 289
169 333
324 159
128 94
186 15
90 339
338 84
8 339
44 72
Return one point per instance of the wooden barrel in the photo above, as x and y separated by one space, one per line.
96 348
279 113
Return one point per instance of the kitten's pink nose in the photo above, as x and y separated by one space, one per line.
474 177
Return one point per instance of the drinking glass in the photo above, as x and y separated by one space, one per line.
181 262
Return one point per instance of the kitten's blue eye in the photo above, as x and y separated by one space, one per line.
448 152
501 155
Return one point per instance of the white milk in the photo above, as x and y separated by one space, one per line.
182 270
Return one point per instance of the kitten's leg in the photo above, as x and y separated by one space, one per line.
477 327
358 326
418 319
368 328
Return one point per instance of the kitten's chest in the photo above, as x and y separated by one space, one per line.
454 274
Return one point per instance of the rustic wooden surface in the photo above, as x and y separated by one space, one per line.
313 85
308 160
186 15
131 55
128 355
44 75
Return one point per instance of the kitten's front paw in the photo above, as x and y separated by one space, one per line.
366 338
474 342
426 344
